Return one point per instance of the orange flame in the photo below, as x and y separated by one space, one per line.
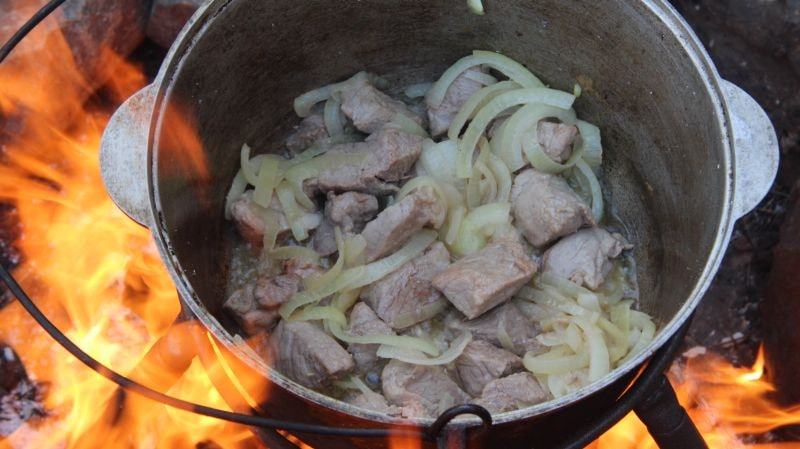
94 272
726 403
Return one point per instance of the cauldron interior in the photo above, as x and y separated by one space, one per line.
664 170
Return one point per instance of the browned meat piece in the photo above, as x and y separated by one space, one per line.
250 222
481 363
556 139
483 280
350 210
369 108
255 305
370 401
584 257
306 354
243 306
301 268
520 329
457 94
511 393
406 296
420 391
398 222
546 208
363 321
389 154
324 239
311 129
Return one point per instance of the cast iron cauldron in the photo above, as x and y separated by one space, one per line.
686 152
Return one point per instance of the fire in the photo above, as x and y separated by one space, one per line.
94 272
729 405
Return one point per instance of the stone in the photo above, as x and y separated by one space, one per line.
167 18
781 308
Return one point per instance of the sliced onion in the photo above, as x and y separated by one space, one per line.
479 224
454 224
407 125
325 313
415 357
268 178
588 180
439 160
503 177
399 342
271 227
564 285
295 252
480 77
522 125
297 174
292 211
238 186
423 313
249 171
549 363
503 337
421 182
304 103
332 116
319 281
648 331
354 250
476 6
321 146
475 102
356 277
577 90
499 104
590 143
599 360
503 64
417 90
346 299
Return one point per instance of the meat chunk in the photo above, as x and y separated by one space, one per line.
481 363
251 223
504 321
350 210
457 94
398 222
310 130
511 393
388 155
556 139
546 208
368 107
301 268
406 296
307 355
370 401
363 321
483 280
255 305
420 391
324 239
244 307
584 257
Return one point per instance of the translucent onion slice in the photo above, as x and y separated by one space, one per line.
586 177
248 169
326 313
320 147
356 277
439 160
499 104
268 178
591 145
503 177
354 250
555 362
417 90
238 186
397 342
648 331
503 64
346 299
295 252
421 182
292 210
475 102
415 357
304 103
271 224
297 174
476 6
406 124
319 281
522 125
599 359
332 116
454 224
478 225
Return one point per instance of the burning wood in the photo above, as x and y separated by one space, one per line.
20 398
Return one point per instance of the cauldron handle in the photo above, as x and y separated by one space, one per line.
123 155
755 147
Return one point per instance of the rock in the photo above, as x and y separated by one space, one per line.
167 17
19 397
781 308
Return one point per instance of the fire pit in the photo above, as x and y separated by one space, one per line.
176 361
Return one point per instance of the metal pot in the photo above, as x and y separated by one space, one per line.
687 153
